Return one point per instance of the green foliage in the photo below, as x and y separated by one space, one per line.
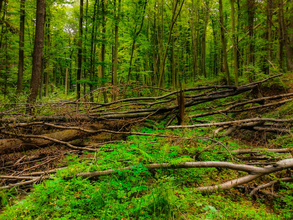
140 193
284 204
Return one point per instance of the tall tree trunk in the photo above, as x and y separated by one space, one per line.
269 27
85 70
280 46
194 36
215 49
79 62
235 43
93 50
103 50
285 38
134 40
21 47
223 40
38 52
66 82
203 44
250 9
115 67
173 21
155 52
173 65
48 44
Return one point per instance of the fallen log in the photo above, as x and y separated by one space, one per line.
265 185
229 109
27 143
254 172
236 122
252 151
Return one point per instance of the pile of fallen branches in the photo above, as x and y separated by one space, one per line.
68 123
253 173
71 120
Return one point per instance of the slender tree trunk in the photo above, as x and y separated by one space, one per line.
173 21
134 40
21 47
285 38
203 44
41 80
103 49
223 40
38 52
79 62
194 36
155 52
280 48
66 82
47 72
250 9
269 26
215 48
85 70
235 43
93 47
115 67
1 3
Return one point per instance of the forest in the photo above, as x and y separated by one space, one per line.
146 109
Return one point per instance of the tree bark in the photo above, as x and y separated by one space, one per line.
285 38
79 61
203 44
235 43
134 41
21 47
38 51
223 40
269 26
173 21
115 67
194 36
16 145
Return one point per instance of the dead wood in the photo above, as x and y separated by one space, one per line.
32 142
229 109
265 185
249 151
253 172
236 122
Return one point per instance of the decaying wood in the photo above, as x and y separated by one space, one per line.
236 122
265 185
30 142
253 151
229 109
80 118
253 172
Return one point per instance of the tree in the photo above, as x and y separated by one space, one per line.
173 21
79 62
38 51
223 41
115 55
21 45
285 38
235 43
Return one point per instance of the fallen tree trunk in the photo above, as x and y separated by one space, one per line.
236 122
27 143
254 172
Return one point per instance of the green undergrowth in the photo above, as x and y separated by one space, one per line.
140 193
165 193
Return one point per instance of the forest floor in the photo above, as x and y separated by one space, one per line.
165 193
